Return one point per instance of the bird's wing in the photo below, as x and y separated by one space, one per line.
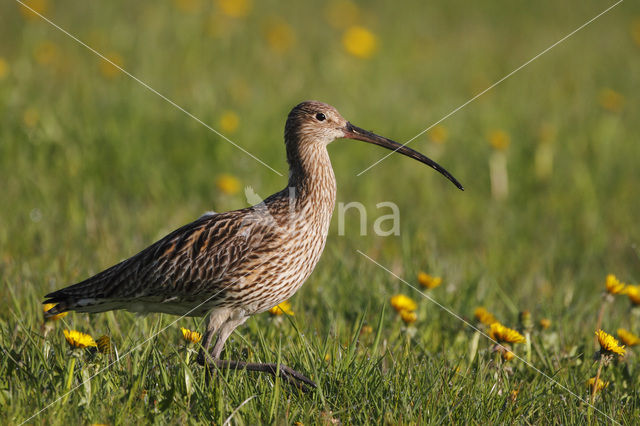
200 258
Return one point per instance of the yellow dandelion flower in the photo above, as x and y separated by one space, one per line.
104 345
614 286
229 122
282 308
78 339
499 140
45 53
342 13
48 306
484 316
508 355
30 117
107 67
234 8
502 334
438 134
360 42
188 6
228 184
628 338
400 303
609 344
366 329
409 317
428 281
635 31
32 8
545 323
190 336
4 68
601 384
279 35
633 292
611 100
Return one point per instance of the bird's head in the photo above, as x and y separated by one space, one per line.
313 123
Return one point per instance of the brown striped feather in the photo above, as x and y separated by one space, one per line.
244 259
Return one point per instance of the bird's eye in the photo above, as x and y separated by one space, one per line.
320 116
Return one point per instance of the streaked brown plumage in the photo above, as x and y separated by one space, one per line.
236 264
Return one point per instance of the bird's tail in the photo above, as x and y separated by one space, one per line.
62 302
79 297
59 308
90 295
71 303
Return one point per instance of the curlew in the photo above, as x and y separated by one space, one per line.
236 264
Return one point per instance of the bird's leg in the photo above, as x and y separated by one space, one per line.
286 373
215 321
224 333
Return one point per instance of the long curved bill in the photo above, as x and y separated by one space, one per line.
354 132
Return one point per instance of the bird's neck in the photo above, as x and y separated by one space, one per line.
311 177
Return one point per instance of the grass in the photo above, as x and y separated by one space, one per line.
93 168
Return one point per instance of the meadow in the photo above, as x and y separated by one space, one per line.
94 167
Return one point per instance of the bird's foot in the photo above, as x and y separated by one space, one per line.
203 356
288 374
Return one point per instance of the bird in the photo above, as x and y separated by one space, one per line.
232 265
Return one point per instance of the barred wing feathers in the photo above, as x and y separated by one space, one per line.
202 258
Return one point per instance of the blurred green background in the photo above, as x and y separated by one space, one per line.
94 167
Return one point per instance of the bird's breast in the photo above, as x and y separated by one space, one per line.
290 258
